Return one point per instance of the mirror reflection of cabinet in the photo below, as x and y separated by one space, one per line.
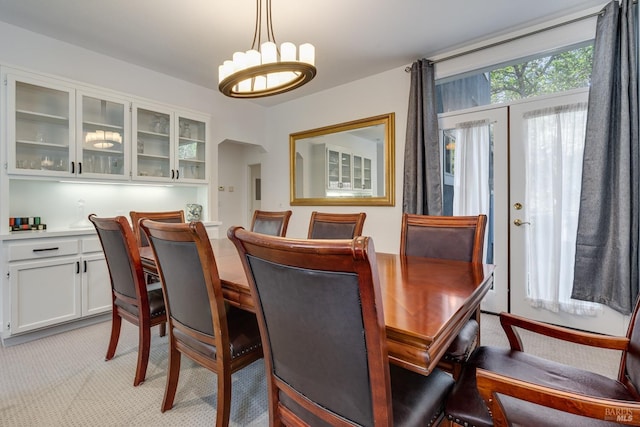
361 173
346 164
338 169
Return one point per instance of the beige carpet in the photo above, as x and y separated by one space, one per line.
63 380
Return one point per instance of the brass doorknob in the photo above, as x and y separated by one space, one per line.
519 222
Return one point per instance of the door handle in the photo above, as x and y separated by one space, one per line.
520 222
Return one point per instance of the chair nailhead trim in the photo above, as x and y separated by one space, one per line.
459 421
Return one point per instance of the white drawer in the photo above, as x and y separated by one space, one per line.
41 249
91 244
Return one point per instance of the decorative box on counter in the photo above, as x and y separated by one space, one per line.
26 223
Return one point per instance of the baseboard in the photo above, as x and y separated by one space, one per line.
41 333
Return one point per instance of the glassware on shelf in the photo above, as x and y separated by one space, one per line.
140 146
185 130
46 163
156 124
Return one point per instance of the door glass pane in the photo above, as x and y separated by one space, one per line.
468 176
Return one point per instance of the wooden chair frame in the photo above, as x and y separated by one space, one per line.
143 319
356 256
223 364
165 216
478 223
491 385
272 215
342 218
340 256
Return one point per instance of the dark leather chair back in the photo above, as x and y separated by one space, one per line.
188 299
122 260
335 225
133 300
166 216
322 326
271 223
201 327
446 237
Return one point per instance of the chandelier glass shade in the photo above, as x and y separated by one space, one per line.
103 139
269 70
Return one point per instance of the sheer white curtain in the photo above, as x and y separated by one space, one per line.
471 192
554 145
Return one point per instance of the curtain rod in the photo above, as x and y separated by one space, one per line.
518 37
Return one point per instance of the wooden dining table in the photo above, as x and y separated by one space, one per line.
426 301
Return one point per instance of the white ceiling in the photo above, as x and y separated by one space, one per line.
188 39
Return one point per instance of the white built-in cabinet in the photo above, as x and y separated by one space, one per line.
104 133
170 145
56 129
40 127
54 280
60 130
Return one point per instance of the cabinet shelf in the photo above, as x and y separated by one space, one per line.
192 161
103 125
152 156
184 140
146 132
42 144
34 115
103 150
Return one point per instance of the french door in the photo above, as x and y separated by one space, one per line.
487 127
546 146
533 208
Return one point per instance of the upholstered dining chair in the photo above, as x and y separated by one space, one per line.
448 237
270 222
221 338
322 325
132 298
507 386
324 225
161 216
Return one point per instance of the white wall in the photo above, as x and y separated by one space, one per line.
380 94
231 119
234 173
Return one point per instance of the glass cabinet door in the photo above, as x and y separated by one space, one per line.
366 184
345 170
333 169
191 153
357 172
153 152
40 127
104 137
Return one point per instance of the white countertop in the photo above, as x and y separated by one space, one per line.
66 232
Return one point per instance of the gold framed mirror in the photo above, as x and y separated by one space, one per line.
348 164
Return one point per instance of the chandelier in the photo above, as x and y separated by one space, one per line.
268 71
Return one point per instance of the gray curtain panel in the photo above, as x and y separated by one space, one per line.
422 191
606 266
